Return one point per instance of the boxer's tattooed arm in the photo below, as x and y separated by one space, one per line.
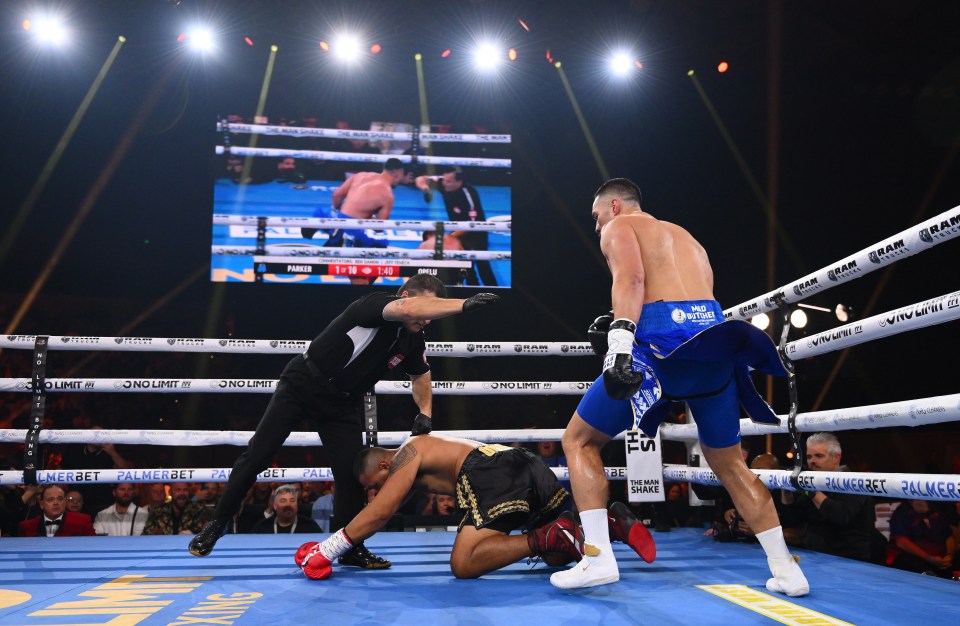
404 455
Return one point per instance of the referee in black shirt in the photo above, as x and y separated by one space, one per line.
326 383
462 202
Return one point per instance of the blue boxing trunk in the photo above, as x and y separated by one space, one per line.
347 238
687 353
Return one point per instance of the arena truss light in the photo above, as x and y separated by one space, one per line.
487 57
48 29
621 64
844 313
201 39
346 48
798 318
761 321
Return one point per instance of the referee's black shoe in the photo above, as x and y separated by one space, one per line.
203 542
361 557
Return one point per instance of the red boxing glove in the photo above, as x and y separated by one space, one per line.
311 560
316 559
303 551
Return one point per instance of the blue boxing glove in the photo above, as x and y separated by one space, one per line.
597 334
619 379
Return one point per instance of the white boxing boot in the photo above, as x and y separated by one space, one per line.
598 567
787 578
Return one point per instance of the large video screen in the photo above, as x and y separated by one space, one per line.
308 202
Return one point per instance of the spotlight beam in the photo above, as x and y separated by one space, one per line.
93 195
218 294
261 105
13 229
459 404
557 201
129 327
815 307
424 112
745 170
604 174
945 168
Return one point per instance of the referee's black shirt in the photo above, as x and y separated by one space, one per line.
359 347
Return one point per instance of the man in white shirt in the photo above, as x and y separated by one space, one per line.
123 518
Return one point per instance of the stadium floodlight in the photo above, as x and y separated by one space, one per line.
844 313
201 39
48 29
761 321
346 47
487 56
621 64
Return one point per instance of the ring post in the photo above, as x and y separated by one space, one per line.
32 459
792 385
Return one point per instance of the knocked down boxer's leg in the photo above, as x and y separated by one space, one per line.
625 527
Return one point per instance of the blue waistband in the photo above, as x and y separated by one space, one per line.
664 313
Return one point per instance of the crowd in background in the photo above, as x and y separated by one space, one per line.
914 534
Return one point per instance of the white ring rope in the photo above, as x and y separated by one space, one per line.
323 155
914 486
358 224
268 385
242 437
209 475
287 252
342 133
281 346
911 317
921 412
938 310
154 437
185 475
944 487
905 243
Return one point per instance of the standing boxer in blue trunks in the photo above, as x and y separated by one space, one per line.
679 350
366 195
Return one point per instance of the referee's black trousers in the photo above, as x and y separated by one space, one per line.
339 422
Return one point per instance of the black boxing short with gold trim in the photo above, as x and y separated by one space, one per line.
505 488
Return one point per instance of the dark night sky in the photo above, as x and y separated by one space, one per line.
868 129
